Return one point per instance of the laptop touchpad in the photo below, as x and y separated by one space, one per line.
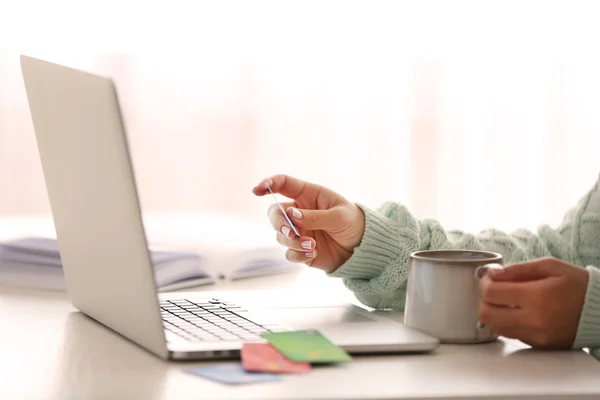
319 315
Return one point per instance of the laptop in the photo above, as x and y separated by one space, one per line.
95 206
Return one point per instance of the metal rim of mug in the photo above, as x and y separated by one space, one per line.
438 256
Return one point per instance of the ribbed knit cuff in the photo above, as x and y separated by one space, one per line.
379 247
588 331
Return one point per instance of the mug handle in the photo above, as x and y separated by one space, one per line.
480 273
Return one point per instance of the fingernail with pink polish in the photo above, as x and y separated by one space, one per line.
494 272
310 254
285 230
307 244
296 213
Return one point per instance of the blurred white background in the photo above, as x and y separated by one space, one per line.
478 113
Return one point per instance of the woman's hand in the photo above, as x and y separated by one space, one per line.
538 302
330 226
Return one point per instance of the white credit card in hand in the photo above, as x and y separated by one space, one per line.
283 211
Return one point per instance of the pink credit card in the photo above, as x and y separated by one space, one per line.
262 357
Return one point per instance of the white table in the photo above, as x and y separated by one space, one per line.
50 351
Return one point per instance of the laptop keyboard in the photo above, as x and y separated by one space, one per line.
213 321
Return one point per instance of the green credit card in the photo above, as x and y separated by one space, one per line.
308 346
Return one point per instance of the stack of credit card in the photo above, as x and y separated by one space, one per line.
285 353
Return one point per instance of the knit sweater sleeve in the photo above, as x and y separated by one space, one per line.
377 271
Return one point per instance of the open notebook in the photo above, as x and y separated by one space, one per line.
35 262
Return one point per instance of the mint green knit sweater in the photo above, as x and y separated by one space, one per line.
377 271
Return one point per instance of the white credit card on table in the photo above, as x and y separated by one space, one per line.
283 212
